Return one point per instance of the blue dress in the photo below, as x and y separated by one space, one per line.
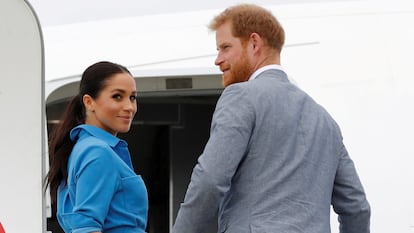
102 192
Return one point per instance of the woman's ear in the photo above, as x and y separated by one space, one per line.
88 102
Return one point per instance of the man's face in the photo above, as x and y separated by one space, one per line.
233 57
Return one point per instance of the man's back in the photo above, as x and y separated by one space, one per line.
283 173
286 179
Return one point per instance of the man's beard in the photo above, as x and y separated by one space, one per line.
239 71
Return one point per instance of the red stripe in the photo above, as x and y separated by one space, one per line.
2 229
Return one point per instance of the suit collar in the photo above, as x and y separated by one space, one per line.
265 68
274 73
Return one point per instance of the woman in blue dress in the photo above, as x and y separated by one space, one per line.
91 177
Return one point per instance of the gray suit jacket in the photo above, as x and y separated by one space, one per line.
275 163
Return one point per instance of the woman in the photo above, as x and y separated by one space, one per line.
91 176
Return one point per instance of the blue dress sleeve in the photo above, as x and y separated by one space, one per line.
93 182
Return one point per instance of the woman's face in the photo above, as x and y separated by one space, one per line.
115 106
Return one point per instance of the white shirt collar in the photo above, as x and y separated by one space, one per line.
264 68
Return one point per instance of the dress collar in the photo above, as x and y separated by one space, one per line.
97 132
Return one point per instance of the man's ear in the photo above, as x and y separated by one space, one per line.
256 41
88 102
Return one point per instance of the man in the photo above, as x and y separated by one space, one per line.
275 161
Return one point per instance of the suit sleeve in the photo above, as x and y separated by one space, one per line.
232 125
348 198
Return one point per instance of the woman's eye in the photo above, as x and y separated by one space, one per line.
133 97
117 97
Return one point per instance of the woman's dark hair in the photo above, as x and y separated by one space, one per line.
60 146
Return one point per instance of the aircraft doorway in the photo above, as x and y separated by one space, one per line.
165 142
